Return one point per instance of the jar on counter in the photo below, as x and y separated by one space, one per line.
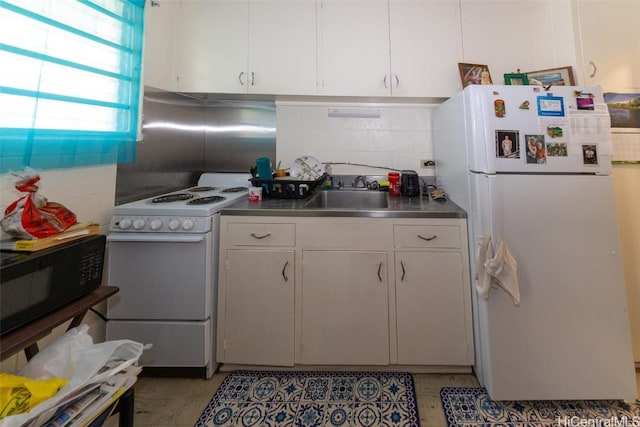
394 183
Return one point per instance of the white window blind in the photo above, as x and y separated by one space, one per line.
69 82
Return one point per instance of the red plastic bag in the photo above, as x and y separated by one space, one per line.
32 216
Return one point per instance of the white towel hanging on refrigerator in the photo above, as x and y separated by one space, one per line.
501 269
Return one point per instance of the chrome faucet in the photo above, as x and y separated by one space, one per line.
359 178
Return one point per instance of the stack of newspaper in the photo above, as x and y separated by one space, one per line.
92 404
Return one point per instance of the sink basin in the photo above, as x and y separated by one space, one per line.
342 199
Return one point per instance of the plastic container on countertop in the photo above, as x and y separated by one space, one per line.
394 183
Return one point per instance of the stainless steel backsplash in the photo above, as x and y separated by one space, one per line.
184 135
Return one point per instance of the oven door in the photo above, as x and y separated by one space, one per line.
161 276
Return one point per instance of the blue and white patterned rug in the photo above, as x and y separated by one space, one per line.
467 407
305 399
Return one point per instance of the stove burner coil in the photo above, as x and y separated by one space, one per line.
235 190
206 200
172 198
200 189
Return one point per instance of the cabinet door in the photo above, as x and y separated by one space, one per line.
610 43
159 37
354 53
282 47
509 35
258 320
211 40
345 312
431 309
426 45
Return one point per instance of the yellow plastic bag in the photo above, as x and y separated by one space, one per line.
19 394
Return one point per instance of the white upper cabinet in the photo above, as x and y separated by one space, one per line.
282 47
211 53
354 48
159 45
608 43
509 35
426 45
241 46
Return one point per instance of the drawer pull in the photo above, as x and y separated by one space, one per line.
428 239
284 271
255 236
403 271
379 270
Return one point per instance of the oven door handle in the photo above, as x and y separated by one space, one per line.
144 238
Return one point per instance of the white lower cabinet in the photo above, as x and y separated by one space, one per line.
259 307
345 308
433 295
344 292
256 293
431 319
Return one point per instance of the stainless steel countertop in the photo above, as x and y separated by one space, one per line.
399 207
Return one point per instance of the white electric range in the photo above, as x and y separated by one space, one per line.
162 252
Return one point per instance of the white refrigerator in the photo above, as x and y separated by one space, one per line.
532 169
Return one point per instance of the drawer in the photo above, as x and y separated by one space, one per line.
355 235
261 234
426 236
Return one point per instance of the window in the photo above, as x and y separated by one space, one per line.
69 82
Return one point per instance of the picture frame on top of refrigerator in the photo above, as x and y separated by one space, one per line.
562 76
516 79
474 74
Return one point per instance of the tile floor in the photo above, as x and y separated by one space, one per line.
178 402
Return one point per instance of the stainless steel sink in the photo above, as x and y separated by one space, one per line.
344 199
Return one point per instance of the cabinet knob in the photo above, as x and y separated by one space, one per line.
397 81
379 272
404 272
240 78
385 82
253 78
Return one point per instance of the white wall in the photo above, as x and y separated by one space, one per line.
398 139
89 192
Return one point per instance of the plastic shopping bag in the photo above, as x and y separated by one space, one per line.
75 357
19 394
32 216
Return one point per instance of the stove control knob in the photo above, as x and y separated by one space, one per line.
174 224
188 224
138 224
155 224
124 223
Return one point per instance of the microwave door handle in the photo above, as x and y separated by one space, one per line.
144 238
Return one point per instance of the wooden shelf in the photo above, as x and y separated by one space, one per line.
26 337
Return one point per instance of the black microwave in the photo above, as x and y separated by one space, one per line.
37 283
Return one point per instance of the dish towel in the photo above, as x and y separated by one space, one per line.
501 269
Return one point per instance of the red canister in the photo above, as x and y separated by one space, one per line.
394 183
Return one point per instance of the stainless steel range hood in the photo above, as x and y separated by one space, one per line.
185 135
